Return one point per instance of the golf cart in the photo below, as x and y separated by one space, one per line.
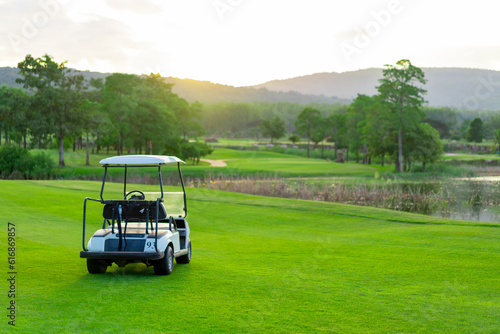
140 227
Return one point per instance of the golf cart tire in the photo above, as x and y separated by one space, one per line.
96 266
184 259
165 265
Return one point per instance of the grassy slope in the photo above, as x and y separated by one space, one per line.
238 163
288 165
259 265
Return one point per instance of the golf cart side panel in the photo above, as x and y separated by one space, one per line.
183 229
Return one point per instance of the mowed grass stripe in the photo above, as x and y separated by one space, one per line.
259 265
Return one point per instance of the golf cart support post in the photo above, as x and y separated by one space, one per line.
138 209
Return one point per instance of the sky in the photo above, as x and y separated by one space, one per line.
248 42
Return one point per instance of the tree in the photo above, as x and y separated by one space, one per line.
337 129
294 139
426 147
57 94
475 132
274 128
379 131
306 123
399 89
119 101
356 116
496 142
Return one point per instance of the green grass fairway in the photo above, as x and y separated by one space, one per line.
265 162
260 265
241 163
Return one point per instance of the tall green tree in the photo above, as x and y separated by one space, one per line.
307 122
475 132
425 145
336 122
273 128
400 89
379 131
119 101
496 141
57 94
356 117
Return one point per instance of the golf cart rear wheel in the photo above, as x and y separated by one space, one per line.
165 265
185 258
96 266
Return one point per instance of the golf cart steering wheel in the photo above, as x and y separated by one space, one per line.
141 195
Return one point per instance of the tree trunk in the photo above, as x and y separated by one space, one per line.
24 140
61 150
322 149
308 138
400 151
118 146
423 166
383 156
87 157
347 153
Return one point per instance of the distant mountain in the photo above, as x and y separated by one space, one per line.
453 87
8 76
205 91
208 92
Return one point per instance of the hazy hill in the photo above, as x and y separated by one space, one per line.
454 87
205 91
8 76
208 92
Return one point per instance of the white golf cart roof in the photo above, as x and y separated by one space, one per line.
131 160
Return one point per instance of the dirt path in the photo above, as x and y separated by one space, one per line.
215 163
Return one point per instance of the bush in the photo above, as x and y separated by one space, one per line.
18 163
187 150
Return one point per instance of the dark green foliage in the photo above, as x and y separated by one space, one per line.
475 132
18 163
307 122
57 96
188 150
401 93
274 128
294 139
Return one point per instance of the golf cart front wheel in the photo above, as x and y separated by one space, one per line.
96 266
165 265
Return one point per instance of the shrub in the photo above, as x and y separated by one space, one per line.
18 163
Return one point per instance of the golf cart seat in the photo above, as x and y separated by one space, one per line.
134 210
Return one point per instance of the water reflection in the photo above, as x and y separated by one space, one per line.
469 199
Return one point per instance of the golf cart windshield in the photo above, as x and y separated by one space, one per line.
174 202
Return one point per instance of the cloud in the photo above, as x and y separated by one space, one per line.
140 7
103 43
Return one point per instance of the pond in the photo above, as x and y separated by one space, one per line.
465 198
470 199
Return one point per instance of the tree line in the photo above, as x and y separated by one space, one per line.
387 124
129 113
